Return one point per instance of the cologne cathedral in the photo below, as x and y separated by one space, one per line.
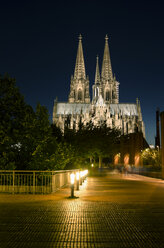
104 107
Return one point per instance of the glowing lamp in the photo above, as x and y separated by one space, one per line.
77 180
72 177
72 180
77 176
81 177
81 174
85 173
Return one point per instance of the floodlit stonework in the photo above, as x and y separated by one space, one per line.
104 107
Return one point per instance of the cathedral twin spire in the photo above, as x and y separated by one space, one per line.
80 66
106 72
79 90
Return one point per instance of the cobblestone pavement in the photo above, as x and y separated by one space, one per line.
111 211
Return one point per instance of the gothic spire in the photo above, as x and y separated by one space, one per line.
97 74
80 66
139 109
106 72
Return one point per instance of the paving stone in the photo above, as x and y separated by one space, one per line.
111 211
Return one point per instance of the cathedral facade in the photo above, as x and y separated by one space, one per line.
104 107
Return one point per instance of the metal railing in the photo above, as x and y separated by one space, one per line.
43 182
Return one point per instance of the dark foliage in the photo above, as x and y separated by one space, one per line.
28 141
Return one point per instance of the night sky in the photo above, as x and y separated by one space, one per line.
39 39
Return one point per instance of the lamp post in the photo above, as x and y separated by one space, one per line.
77 180
85 174
72 179
81 175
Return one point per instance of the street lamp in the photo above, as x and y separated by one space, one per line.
81 179
72 179
85 173
83 176
77 179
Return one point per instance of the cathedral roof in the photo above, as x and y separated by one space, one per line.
78 108
124 109
72 108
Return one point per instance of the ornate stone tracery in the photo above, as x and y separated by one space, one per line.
104 107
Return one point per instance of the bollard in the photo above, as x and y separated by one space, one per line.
72 177
81 175
86 173
77 180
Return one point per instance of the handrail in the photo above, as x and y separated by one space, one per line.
34 181
58 171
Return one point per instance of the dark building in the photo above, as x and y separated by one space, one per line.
131 146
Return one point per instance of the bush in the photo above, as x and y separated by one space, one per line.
151 158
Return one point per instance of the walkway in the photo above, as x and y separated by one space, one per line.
112 211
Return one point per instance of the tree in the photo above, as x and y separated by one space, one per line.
21 129
93 142
12 109
56 132
36 128
151 157
27 141
52 155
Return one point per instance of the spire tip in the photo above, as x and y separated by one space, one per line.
80 37
106 37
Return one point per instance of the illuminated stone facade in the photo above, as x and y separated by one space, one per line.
104 107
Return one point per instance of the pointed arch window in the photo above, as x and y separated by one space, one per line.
96 91
107 97
113 95
79 95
